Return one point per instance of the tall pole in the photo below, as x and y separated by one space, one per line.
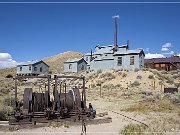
115 31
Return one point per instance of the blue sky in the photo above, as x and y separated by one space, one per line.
37 30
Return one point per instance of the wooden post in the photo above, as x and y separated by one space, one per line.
100 90
154 84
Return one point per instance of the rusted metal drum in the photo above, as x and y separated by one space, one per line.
77 98
38 102
73 99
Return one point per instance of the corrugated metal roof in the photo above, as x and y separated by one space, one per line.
163 60
73 60
104 50
28 63
128 52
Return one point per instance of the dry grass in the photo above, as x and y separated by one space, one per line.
133 129
7 71
157 126
163 105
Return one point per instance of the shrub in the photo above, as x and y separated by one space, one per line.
177 85
124 75
99 71
133 129
175 76
109 86
3 116
139 77
136 70
107 76
93 85
135 83
151 77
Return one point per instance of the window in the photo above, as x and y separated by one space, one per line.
162 65
29 67
20 68
132 60
105 54
119 62
82 67
86 58
70 66
40 69
35 68
156 65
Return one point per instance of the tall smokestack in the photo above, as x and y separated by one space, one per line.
115 32
127 44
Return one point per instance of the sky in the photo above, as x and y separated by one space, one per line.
33 31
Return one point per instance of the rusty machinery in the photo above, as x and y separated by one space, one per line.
37 107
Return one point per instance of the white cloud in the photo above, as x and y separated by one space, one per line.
167 45
178 55
147 49
171 52
164 49
154 55
6 61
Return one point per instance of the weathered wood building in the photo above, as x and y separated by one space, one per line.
32 68
167 64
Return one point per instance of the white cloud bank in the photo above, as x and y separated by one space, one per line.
6 61
153 55
171 52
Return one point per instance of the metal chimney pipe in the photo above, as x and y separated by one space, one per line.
115 31
128 44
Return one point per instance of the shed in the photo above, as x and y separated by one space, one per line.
168 64
32 68
75 65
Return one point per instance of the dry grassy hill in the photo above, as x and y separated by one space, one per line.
56 62
6 71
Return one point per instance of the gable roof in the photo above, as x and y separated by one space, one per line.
163 60
31 63
74 60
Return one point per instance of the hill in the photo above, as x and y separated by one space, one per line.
6 71
56 62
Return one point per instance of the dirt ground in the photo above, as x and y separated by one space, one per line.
116 94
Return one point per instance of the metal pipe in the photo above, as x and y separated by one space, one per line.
48 94
15 90
76 77
84 92
21 77
115 31
65 92
60 94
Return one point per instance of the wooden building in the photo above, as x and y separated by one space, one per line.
32 68
167 64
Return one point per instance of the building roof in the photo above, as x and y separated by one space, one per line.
31 63
74 60
104 50
163 60
138 51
